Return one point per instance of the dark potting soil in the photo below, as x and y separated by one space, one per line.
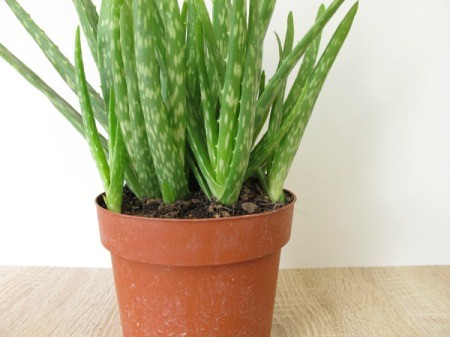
252 200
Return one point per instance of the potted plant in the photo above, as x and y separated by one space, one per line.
183 104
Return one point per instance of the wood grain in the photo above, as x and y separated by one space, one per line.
385 302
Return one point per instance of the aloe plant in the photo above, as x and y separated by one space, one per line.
183 93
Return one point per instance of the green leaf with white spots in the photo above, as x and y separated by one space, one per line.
184 17
210 37
262 178
92 15
138 140
104 48
117 160
199 176
262 83
132 181
263 152
268 144
231 90
307 66
113 124
175 62
275 83
112 176
289 145
200 153
207 102
221 24
191 48
90 127
267 8
250 85
88 23
159 33
276 115
186 93
168 164
132 136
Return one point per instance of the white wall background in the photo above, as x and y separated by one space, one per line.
372 175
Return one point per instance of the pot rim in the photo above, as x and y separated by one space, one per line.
195 242
169 220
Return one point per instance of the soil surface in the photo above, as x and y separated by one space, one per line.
252 200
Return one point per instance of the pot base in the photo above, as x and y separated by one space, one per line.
210 301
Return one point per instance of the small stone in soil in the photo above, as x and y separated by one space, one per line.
249 207
225 214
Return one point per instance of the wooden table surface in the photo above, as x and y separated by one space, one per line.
387 302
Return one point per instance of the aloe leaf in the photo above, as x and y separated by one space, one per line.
117 161
92 15
213 79
119 84
289 145
267 8
116 157
262 83
113 124
90 127
128 82
267 145
175 61
276 115
231 91
192 81
88 24
210 37
196 136
132 181
307 66
184 16
104 47
250 85
275 83
280 48
114 194
159 33
168 164
262 178
221 24
61 64
132 136
200 152
199 176
208 106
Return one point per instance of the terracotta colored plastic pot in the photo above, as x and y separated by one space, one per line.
196 278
